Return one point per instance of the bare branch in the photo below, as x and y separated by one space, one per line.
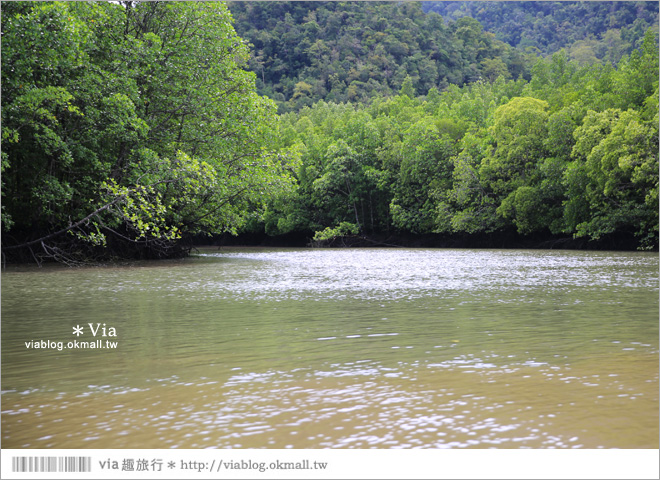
64 230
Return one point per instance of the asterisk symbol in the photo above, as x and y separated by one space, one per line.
77 330
171 465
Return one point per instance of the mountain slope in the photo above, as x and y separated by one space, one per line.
550 26
353 51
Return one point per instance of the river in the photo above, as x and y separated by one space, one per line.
335 348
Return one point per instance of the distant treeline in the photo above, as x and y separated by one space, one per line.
588 30
304 52
573 151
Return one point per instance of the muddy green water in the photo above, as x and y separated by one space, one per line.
382 348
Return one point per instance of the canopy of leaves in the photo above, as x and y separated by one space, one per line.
128 127
129 124
304 52
605 30
573 151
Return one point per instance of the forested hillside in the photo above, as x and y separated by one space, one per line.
589 30
130 128
572 152
436 126
353 51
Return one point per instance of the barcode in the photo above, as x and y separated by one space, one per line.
51 464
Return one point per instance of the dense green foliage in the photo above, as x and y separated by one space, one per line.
588 30
133 123
353 51
572 151
127 127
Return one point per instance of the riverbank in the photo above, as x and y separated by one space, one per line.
501 240
498 240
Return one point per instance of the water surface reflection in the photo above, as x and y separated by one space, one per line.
338 349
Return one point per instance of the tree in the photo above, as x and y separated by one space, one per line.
407 88
337 186
470 205
519 131
617 155
637 75
494 68
129 125
424 175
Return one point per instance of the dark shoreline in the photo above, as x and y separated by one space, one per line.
503 240
496 240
